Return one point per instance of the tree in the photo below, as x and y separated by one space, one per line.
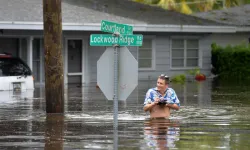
193 6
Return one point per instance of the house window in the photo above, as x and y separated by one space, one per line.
185 53
146 54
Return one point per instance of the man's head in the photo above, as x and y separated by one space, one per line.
162 82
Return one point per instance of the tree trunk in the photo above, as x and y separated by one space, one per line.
54 83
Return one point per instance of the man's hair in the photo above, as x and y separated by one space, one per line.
164 77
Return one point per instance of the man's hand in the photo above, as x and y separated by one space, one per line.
157 100
149 106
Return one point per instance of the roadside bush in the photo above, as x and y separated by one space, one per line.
179 79
231 62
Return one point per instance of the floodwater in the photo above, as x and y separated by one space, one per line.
212 116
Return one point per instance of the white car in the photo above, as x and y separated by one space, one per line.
16 98
15 74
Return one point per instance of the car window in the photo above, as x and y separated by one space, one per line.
13 67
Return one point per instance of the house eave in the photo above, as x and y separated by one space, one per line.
137 27
243 29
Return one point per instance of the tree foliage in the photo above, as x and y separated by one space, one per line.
193 6
231 62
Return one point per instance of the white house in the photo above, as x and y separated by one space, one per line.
173 42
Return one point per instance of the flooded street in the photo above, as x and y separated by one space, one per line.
212 116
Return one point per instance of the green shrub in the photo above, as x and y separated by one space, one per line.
193 72
179 79
231 62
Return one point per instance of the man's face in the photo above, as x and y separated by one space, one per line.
161 85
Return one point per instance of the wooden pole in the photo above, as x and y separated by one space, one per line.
54 83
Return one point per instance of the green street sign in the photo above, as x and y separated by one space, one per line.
112 27
109 40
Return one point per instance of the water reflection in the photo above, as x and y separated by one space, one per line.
161 133
12 97
54 132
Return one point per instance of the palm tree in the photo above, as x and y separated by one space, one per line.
191 6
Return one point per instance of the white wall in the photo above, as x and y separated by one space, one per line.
230 38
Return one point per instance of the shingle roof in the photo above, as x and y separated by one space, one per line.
239 16
93 11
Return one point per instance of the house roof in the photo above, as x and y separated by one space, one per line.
91 12
238 16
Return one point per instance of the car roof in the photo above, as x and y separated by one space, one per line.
5 55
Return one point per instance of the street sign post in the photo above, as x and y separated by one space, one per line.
110 40
117 69
113 27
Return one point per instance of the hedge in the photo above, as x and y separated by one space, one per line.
231 62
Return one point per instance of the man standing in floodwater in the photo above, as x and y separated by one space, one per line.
161 99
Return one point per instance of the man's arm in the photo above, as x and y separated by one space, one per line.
174 101
148 107
173 106
149 103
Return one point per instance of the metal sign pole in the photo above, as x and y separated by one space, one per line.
115 101
116 64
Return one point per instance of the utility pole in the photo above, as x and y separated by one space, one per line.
54 80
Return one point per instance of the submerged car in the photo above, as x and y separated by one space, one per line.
15 74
